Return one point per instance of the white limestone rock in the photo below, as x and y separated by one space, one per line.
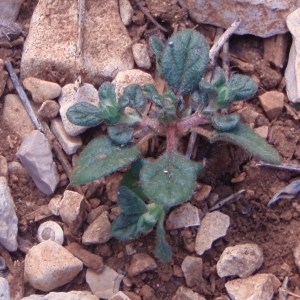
292 71
240 260
213 226
8 220
73 295
48 265
104 284
36 156
4 289
126 11
262 18
53 38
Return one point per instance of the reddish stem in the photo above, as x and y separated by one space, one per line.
192 121
171 138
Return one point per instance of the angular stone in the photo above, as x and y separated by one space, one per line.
15 116
272 103
292 71
141 262
70 144
9 9
99 231
119 296
49 109
73 295
141 55
184 293
41 90
49 265
213 226
36 156
8 220
71 94
262 131
4 289
104 284
259 286
240 260
53 41
259 17
124 78
183 216
192 268
126 11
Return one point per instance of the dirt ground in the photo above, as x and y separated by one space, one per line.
228 170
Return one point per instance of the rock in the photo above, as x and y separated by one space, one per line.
126 11
49 265
41 90
184 293
71 94
141 55
259 17
147 292
183 216
16 117
259 286
213 226
124 78
192 270
240 260
72 209
292 72
3 167
36 156
73 295
99 231
272 103
50 230
9 9
89 259
49 109
15 167
3 75
140 263
296 254
54 204
8 220
70 144
202 192
104 284
262 131
119 296
96 212
53 38
4 289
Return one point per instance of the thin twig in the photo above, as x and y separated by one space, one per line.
23 96
226 59
235 196
224 37
283 289
146 13
191 144
286 167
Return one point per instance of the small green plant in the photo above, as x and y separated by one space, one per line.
151 187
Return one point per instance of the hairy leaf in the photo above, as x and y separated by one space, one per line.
100 158
184 61
152 94
157 47
120 135
133 96
170 180
221 78
242 87
225 123
246 138
107 91
84 114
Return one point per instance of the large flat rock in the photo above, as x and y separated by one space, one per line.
262 18
52 46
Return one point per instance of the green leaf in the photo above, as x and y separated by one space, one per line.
107 91
157 47
120 134
152 94
170 180
221 78
246 138
184 61
242 87
133 96
100 158
84 114
225 123
162 248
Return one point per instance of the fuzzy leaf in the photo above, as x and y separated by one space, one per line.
184 61
152 94
246 138
133 96
100 158
170 180
120 135
162 248
157 47
221 78
242 87
84 114
107 91
225 123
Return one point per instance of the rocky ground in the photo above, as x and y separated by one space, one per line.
55 238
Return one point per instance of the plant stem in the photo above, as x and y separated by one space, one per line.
171 138
192 121
153 124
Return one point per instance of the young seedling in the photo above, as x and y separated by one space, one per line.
152 187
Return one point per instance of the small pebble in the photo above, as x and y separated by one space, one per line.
186 294
192 270
272 103
126 11
49 109
4 289
54 204
141 55
140 263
